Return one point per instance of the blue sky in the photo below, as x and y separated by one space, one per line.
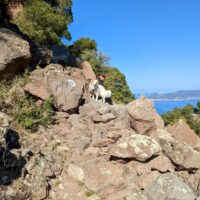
155 43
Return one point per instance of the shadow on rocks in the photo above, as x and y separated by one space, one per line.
11 161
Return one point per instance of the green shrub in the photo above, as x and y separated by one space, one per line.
81 45
3 92
89 193
44 22
24 111
30 116
186 113
116 82
85 49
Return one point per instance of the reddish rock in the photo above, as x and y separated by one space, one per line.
103 142
65 85
142 168
154 135
100 174
132 192
97 118
183 133
88 71
143 117
162 164
145 180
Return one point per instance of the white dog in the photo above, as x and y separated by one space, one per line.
93 88
98 90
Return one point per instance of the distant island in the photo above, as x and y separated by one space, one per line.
179 95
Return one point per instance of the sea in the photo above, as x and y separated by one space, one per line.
168 105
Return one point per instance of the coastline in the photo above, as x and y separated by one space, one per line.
196 98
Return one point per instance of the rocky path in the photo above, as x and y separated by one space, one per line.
103 153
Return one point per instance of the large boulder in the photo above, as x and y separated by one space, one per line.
160 163
183 133
135 146
14 54
65 85
100 174
143 117
181 154
126 194
169 186
88 71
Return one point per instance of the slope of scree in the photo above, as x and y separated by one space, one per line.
93 150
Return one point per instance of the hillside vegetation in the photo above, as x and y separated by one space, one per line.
86 49
45 21
189 113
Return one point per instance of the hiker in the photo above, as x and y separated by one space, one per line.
101 79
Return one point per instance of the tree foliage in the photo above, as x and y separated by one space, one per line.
116 82
22 108
189 113
86 49
96 58
81 45
45 21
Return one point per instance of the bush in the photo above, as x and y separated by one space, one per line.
30 116
45 23
86 49
81 45
96 59
24 111
116 82
188 113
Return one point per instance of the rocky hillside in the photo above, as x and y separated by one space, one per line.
95 151
75 148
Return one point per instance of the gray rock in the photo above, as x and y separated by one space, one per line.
76 172
104 118
39 188
167 187
122 120
65 85
183 155
14 54
103 110
139 147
